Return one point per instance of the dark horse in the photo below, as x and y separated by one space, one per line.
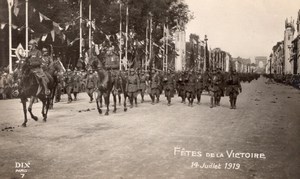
119 87
104 85
28 88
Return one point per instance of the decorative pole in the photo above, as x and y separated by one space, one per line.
206 62
26 27
126 44
10 4
120 40
80 30
146 44
150 39
90 28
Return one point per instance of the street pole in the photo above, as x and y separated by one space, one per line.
150 39
166 58
90 28
80 30
10 4
120 40
126 44
206 63
146 44
26 27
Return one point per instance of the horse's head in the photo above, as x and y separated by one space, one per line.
56 67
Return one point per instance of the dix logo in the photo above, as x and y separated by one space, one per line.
23 165
22 168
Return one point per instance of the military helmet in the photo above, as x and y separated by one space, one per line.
131 69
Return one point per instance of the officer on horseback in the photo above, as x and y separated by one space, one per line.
46 59
35 63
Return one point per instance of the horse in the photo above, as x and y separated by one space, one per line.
119 87
104 85
28 88
52 72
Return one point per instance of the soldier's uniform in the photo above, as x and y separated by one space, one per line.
143 85
214 88
35 62
46 59
59 87
91 84
169 86
132 86
181 86
234 86
221 87
69 83
190 87
206 81
155 86
76 85
199 86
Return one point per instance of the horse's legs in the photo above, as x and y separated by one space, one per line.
106 98
125 105
135 100
52 97
23 100
32 99
142 95
46 103
98 99
119 97
75 96
115 102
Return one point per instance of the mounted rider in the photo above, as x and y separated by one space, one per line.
46 59
35 63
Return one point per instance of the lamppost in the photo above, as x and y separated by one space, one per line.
206 62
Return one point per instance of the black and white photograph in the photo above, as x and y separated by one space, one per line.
149 89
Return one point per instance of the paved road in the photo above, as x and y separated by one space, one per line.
157 141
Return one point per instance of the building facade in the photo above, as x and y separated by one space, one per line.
296 49
288 38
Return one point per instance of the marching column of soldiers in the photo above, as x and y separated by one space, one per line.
188 84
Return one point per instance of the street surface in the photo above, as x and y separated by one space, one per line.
158 141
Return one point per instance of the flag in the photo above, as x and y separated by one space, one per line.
16 8
2 26
53 35
44 37
41 17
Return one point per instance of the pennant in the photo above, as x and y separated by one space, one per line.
60 28
53 35
93 24
97 49
2 26
44 37
16 8
67 26
14 26
46 18
56 28
41 17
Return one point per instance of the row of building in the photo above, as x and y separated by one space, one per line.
285 56
198 56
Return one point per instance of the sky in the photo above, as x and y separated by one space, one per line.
245 28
